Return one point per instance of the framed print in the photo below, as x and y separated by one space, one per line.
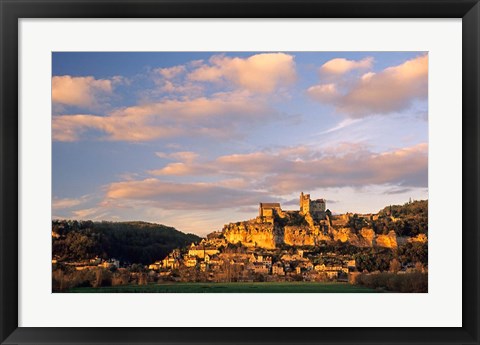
239 172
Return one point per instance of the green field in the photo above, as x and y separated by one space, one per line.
291 287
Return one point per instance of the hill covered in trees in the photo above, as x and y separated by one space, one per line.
409 219
130 242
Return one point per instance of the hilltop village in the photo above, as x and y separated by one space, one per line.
309 244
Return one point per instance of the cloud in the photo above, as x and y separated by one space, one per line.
219 116
187 156
184 89
281 173
342 66
291 202
248 209
324 92
393 191
341 125
173 81
67 203
88 213
258 73
58 204
406 167
181 169
171 72
391 90
80 91
238 182
171 196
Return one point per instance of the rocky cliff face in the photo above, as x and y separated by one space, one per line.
386 241
251 234
420 238
364 238
293 231
368 235
303 236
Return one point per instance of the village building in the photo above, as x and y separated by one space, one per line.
171 261
155 266
200 251
261 268
190 261
277 269
110 263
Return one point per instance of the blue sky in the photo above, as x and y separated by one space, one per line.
197 140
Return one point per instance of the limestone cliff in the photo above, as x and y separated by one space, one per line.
420 238
251 234
304 236
368 235
386 241
294 229
342 235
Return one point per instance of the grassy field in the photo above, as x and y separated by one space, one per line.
295 287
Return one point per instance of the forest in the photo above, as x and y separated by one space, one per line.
129 242
409 219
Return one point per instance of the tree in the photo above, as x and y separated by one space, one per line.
329 213
395 266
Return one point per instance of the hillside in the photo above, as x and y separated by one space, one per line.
386 229
132 242
409 219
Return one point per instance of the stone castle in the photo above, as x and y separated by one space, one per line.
274 226
310 225
316 208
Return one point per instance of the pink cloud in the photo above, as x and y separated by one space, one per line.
169 195
58 204
285 172
218 116
171 72
390 90
79 91
258 73
187 156
324 92
341 65
243 180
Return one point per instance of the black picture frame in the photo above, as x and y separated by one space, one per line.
13 10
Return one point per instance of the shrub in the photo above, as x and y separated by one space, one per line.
408 282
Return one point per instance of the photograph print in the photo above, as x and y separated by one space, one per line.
240 172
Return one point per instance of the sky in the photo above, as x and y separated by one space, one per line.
196 140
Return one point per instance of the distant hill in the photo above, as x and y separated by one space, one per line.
409 219
132 242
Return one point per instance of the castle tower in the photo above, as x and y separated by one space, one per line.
304 203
